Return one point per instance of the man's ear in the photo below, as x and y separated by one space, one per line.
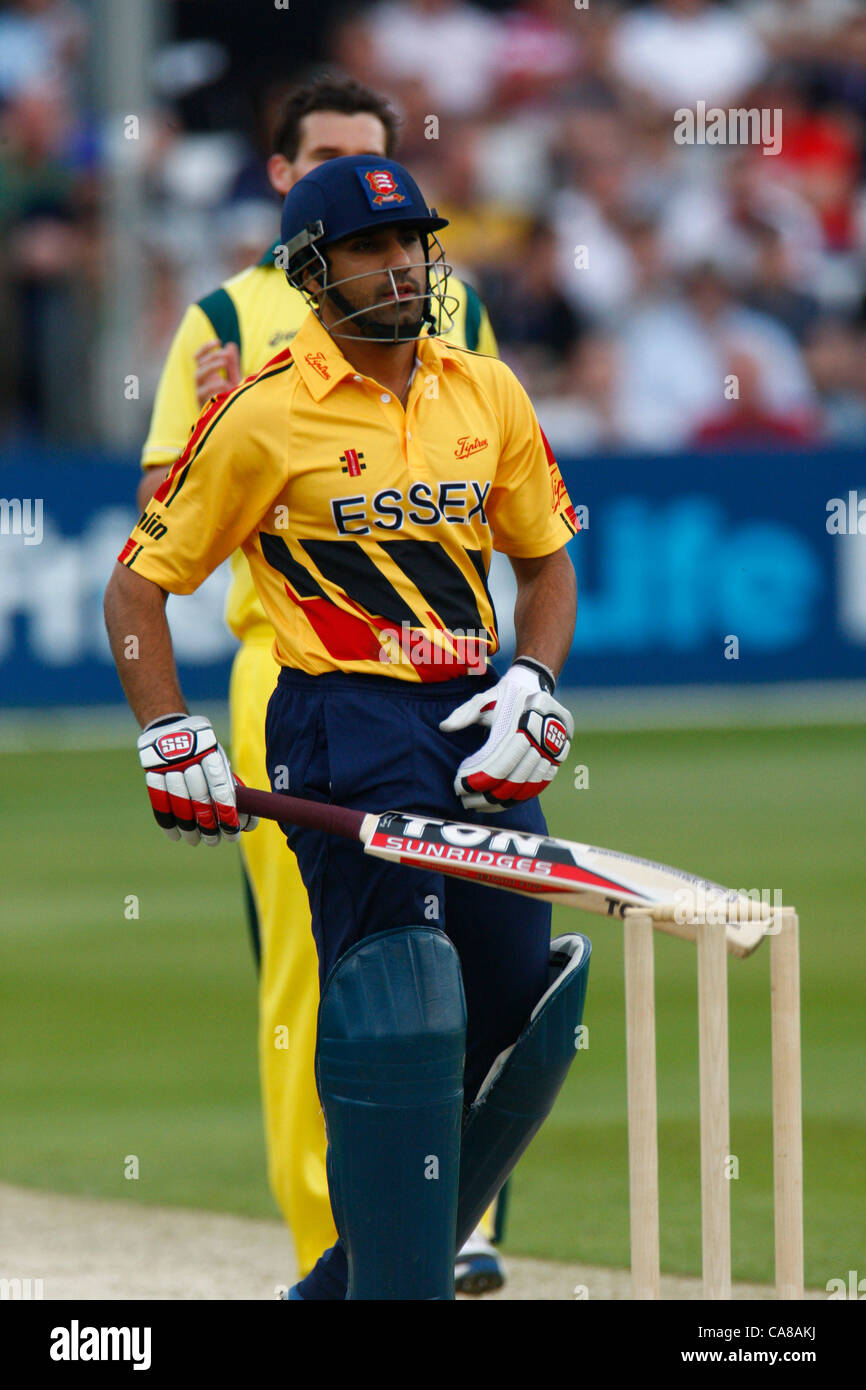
312 285
281 174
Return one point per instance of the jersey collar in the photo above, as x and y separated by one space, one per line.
318 359
434 355
322 365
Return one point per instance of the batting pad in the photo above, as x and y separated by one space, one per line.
522 1085
389 1067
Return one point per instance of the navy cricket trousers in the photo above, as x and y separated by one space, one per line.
373 743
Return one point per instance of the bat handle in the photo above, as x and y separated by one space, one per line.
294 810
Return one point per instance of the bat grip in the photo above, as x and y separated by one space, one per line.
294 810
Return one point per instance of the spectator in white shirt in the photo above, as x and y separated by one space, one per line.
678 52
675 357
452 47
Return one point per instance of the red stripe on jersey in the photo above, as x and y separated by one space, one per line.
557 485
347 638
343 636
353 463
427 670
470 651
551 456
208 417
166 487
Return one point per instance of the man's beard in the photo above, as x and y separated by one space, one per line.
396 331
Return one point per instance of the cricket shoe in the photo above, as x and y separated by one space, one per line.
478 1269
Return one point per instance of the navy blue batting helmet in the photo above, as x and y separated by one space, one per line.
348 196
354 193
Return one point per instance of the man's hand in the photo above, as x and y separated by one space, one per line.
190 783
217 369
530 735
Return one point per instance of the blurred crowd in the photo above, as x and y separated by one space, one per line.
651 294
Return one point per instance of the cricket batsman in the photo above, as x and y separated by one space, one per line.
229 334
367 472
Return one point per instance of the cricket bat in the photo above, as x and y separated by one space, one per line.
558 871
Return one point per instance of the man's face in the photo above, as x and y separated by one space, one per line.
391 261
326 135
330 134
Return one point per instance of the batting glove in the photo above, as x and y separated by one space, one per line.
190 783
530 735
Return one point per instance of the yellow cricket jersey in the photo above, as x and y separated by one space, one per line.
261 312
368 528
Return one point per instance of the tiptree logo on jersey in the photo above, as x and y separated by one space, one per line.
319 363
466 445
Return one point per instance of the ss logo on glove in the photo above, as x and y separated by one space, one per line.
171 746
189 781
554 736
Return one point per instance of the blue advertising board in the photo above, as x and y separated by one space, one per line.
716 568
699 568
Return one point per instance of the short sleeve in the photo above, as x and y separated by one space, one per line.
233 468
530 511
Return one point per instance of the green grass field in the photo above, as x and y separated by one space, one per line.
137 1036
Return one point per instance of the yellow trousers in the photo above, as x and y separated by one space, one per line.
288 981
